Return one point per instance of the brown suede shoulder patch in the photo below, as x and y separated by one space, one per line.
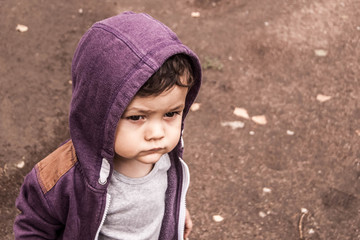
54 166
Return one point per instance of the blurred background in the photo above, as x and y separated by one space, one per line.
273 141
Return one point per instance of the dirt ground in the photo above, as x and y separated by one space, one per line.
296 63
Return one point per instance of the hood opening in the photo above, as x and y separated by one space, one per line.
113 60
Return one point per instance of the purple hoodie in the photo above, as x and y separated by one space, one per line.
65 195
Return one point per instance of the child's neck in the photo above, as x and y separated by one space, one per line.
132 169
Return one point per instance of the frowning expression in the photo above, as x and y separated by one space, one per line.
150 126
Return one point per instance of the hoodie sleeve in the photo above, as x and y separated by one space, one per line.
35 220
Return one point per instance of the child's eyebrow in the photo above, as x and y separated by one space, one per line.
177 108
148 111
138 111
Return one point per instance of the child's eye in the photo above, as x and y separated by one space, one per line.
135 118
171 114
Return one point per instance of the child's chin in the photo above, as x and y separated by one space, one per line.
151 158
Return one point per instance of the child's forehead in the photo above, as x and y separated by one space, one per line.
158 86
171 98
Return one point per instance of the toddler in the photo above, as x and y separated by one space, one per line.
121 175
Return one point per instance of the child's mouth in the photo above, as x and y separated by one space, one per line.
155 150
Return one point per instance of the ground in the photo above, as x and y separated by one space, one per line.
295 63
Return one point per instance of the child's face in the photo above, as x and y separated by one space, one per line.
150 126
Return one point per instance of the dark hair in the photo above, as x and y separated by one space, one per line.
168 75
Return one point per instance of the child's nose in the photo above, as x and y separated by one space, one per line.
155 131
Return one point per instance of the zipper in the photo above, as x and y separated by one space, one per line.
182 212
107 206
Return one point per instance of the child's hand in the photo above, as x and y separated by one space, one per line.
188 224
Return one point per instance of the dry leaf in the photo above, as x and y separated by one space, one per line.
20 164
218 218
195 14
195 107
261 119
322 98
321 52
21 28
234 125
241 112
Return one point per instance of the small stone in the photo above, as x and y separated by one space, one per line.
21 28
321 52
358 28
70 82
218 218
304 210
266 190
252 133
80 11
262 214
20 164
195 14
311 231
358 132
195 107
266 24
289 132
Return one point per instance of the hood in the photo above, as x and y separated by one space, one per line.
114 58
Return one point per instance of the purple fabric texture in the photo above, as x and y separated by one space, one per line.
114 58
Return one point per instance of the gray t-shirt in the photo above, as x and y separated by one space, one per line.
137 204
